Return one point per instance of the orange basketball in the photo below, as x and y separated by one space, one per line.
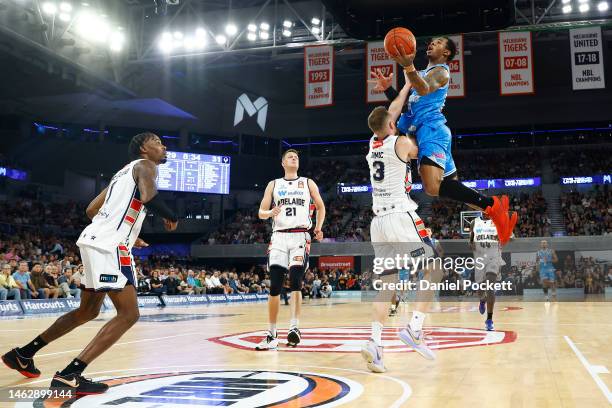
400 36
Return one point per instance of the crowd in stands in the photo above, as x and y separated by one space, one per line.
494 164
582 162
588 213
583 273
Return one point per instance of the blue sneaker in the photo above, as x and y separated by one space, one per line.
482 307
373 355
489 325
417 342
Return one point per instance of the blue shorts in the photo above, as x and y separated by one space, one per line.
547 273
434 141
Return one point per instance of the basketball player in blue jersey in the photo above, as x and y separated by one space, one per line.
545 257
424 119
117 214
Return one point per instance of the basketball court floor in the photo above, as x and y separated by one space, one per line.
541 355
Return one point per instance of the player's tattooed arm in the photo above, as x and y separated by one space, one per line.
435 79
320 205
145 173
96 204
264 208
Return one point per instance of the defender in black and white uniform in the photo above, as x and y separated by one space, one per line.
293 199
485 244
117 214
396 229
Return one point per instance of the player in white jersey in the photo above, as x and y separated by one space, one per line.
396 229
487 250
117 214
290 198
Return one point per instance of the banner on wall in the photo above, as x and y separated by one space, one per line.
378 59
318 76
515 63
337 262
456 88
587 58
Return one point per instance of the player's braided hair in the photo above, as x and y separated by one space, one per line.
137 142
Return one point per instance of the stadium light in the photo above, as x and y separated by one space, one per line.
287 24
64 17
252 27
264 35
231 29
316 30
287 33
264 26
603 6
117 39
49 8
567 9
315 21
221 39
189 43
583 1
178 35
584 7
251 36
85 4
565 1
65 7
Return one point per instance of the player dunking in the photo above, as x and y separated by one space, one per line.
426 120
485 244
290 243
395 222
117 214
545 257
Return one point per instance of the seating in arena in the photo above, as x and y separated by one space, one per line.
587 213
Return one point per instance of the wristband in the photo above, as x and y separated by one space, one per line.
159 207
410 68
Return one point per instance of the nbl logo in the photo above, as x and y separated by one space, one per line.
244 104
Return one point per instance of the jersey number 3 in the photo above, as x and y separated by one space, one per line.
379 171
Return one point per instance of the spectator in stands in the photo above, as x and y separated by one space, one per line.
216 283
22 278
68 285
8 286
194 282
172 283
227 289
157 286
342 280
326 289
316 287
184 287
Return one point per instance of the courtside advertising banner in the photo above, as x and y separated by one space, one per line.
515 63
587 59
378 59
318 76
344 263
456 88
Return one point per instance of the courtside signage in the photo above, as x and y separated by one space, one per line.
456 87
318 76
10 308
515 63
378 59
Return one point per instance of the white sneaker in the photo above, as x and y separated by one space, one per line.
269 343
373 355
416 340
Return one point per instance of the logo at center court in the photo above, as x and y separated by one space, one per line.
218 388
350 339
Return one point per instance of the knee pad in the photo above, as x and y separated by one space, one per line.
277 276
296 273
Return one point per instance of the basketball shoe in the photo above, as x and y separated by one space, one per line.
416 340
25 366
373 355
270 342
79 384
294 337
499 215
489 325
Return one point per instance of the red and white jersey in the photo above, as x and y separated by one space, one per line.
120 218
293 196
391 178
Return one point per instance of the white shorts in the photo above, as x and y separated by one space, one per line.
106 270
490 266
289 249
399 234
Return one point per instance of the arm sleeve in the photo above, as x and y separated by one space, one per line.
391 93
159 207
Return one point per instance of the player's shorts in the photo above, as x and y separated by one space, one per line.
480 274
399 234
434 141
289 249
107 270
547 273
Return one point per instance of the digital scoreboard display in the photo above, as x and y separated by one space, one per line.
194 173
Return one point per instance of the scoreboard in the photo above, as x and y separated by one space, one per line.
194 173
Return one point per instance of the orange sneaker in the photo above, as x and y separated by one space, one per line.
498 213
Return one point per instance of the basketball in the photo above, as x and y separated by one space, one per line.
400 36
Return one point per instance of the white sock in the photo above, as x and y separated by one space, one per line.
416 323
377 328
393 307
294 323
273 329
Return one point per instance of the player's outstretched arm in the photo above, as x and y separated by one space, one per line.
395 109
145 173
320 205
435 79
266 202
96 204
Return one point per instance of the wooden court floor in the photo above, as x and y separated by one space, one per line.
541 355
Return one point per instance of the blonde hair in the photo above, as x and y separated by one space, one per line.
378 119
